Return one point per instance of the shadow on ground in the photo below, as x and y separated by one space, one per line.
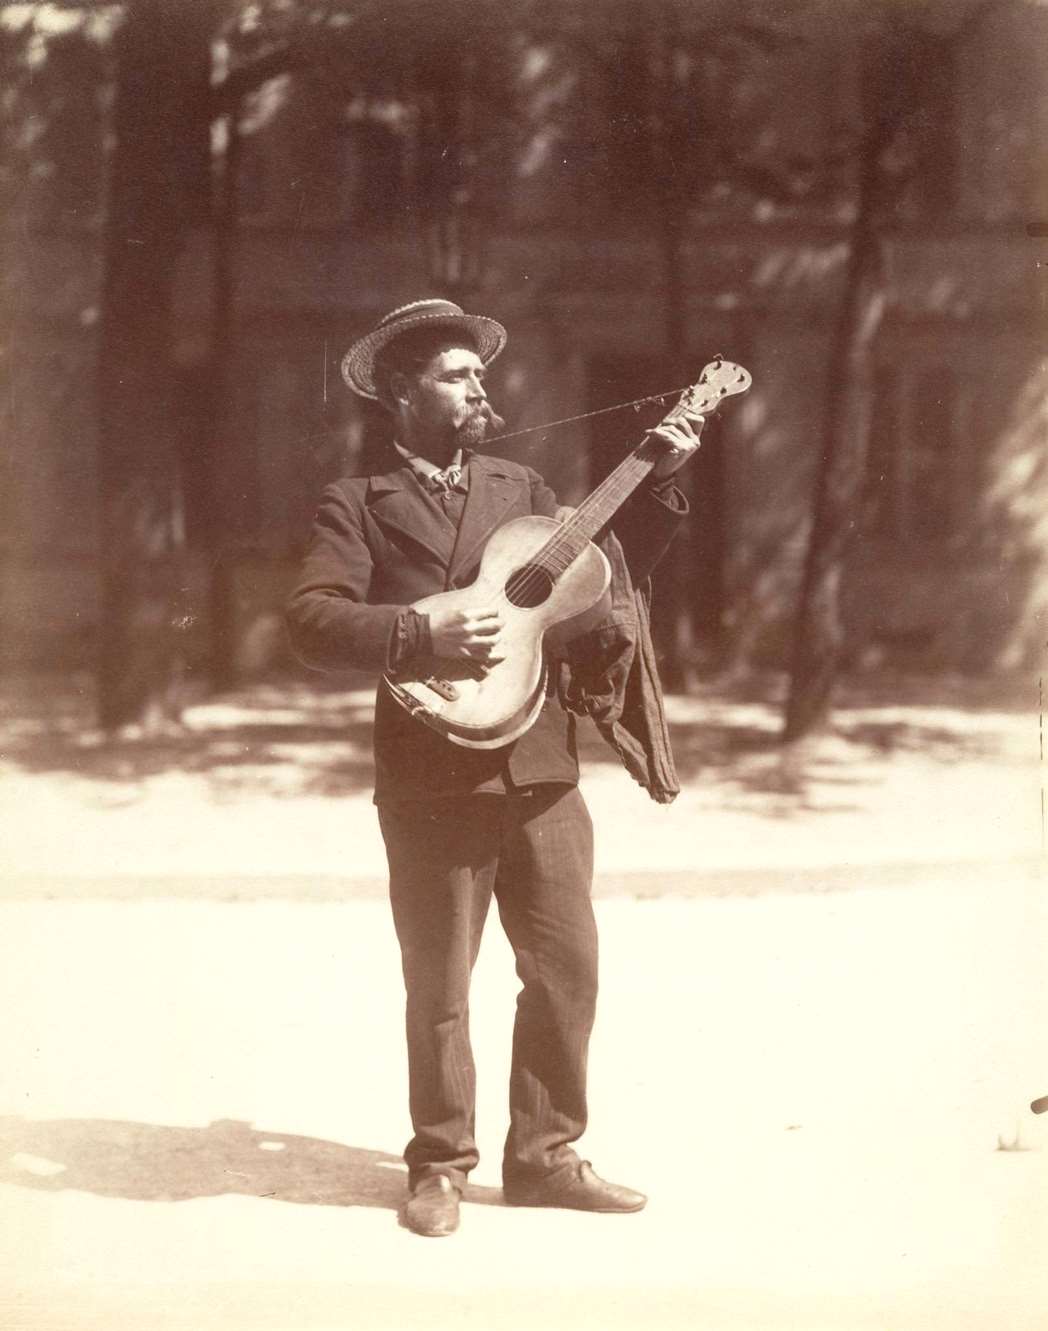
284 738
150 1162
291 738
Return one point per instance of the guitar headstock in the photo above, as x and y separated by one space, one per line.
720 379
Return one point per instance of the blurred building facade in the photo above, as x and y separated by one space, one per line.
327 234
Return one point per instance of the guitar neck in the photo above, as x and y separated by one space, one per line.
720 379
598 508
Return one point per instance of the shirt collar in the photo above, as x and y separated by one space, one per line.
433 477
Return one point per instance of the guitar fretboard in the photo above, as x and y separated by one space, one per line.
595 512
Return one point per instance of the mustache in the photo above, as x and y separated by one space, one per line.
491 417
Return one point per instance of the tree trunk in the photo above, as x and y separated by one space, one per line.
677 575
222 526
158 186
819 629
912 92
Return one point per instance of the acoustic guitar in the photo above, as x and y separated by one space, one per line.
544 576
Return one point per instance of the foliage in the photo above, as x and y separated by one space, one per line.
569 113
908 61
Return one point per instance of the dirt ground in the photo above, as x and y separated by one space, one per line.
821 1027
273 784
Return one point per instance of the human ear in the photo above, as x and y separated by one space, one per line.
398 388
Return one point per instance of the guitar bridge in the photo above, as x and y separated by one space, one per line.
443 688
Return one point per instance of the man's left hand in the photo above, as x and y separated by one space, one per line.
681 438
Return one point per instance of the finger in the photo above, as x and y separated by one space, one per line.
475 651
484 651
691 427
675 437
487 628
485 640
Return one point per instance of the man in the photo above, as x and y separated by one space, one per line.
463 824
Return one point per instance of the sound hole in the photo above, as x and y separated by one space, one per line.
528 586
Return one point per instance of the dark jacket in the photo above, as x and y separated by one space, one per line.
610 675
379 544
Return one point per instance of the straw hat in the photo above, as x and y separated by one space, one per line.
358 364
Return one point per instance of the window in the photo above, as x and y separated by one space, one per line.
912 78
914 456
932 455
880 504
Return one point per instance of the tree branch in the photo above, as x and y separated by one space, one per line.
253 74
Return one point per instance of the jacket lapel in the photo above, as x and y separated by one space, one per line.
492 491
397 504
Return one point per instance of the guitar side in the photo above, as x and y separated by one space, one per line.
486 706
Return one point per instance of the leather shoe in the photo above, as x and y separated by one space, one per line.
578 1189
433 1208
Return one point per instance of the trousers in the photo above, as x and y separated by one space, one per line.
532 851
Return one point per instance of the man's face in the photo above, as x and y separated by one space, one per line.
446 399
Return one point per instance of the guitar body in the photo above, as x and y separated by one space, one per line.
487 706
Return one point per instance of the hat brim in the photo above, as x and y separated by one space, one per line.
358 364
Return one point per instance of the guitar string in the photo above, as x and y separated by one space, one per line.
546 564
548 561
637 403
535 572
619 483
557 554
562 548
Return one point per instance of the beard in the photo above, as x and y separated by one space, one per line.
478 425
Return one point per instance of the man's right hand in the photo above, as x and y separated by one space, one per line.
473 634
